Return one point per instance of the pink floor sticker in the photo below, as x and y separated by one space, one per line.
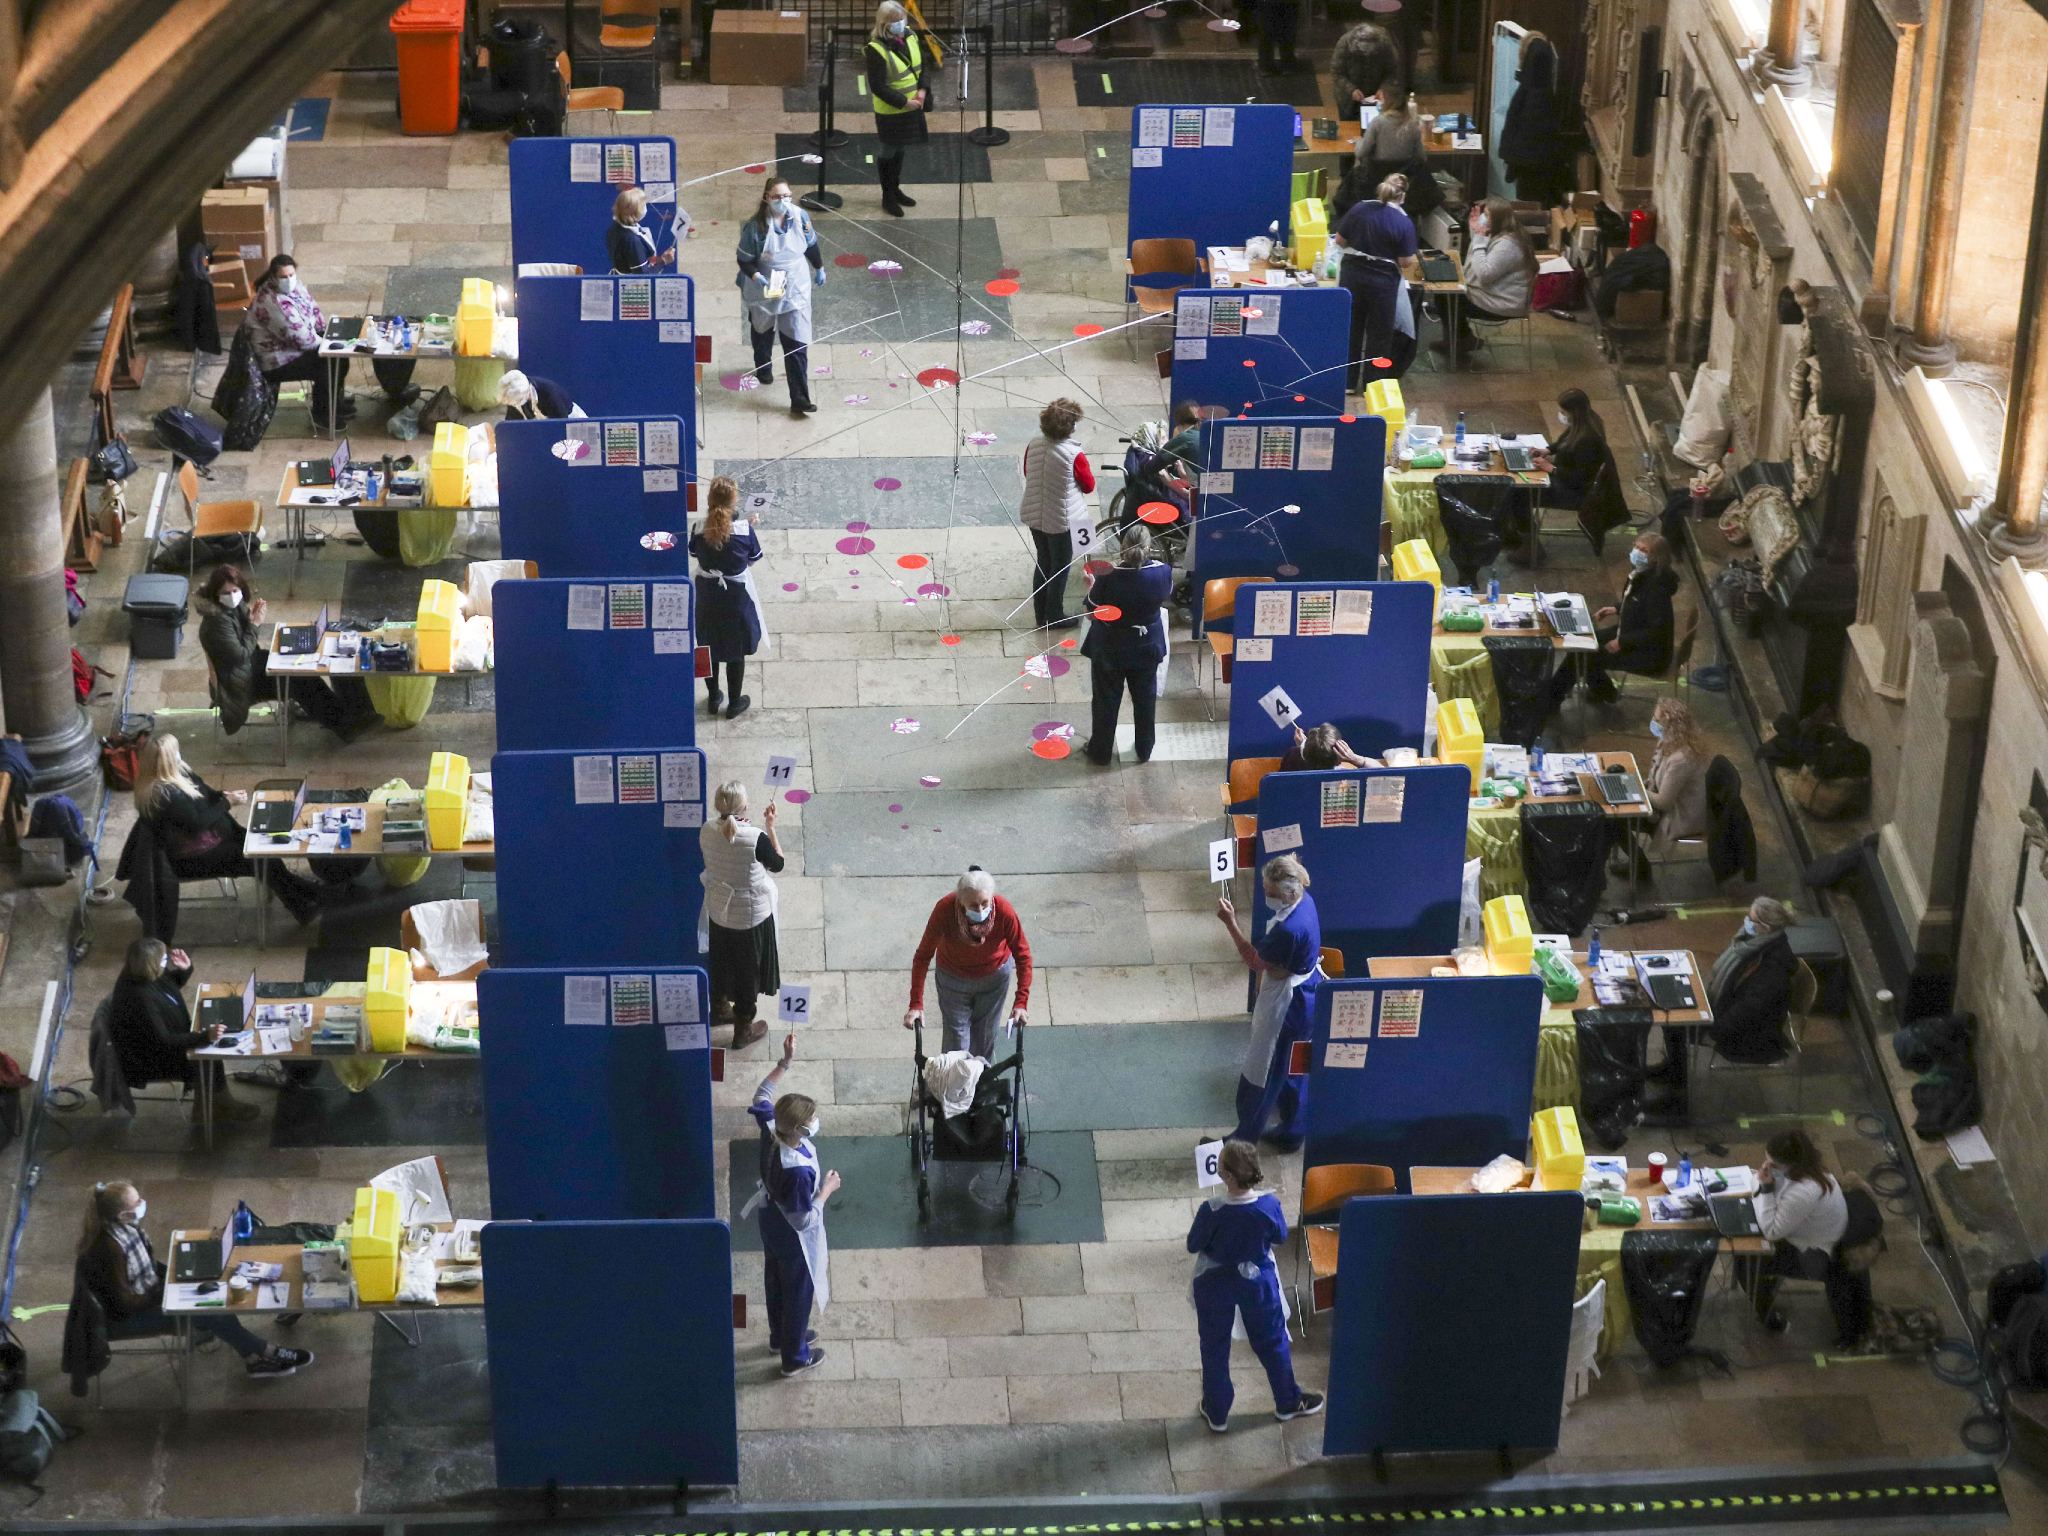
885 267
796 796
979 439
888 483
1046 728
789 586
857 526
929 781
974 327
903 725
856 544
856 400
895 810
935 589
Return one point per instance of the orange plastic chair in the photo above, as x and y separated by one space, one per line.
1324 1190
1241 787
1333 967
213 518
1219 602
1149 258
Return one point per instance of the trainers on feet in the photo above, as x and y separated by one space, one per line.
801 1366
1203 1415
1306 1404
279 1362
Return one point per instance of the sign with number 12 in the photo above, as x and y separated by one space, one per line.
793 1005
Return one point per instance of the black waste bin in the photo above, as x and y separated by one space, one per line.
1564 856
1666 1274
155 606
1521 680
1612 1047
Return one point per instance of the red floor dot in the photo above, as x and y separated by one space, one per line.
949 639
938 378
1001 287
912 562
1089 329
1052 749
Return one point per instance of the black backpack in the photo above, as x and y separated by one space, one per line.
187 435
2019 1348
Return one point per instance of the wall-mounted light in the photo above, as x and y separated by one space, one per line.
1959 462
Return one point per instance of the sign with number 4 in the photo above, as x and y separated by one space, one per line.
1279 707
1223 859
1207 1156
793 1005
781 772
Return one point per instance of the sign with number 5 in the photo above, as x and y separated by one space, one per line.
793 1005
1223 859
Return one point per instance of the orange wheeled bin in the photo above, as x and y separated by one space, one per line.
429 38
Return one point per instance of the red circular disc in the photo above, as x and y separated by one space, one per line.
1299 398
1108 613
848 259
912 562
949 639
1052 748
1096 567
1347 419
938 378
1381 362
1159 513
1009 272
1069 643
1089 329
1251 362
754 170
1001 287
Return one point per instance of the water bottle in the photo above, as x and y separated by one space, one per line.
1461 432
1493 590
347 837
1536 758
1414 106
1592 944
1685 1170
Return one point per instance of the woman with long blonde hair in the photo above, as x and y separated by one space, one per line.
728 607
1677 780
198 838
739 910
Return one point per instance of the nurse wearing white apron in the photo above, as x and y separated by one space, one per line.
779 265
790 1205
1286 963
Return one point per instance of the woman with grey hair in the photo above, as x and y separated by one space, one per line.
1750 992
900 62
978 942
1287 963
738 931
1125 644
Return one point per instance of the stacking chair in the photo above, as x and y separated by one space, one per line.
1582 1355
1241 790
211 519
1324 1190
409 940
1333 963
1485 325
1171 259
628 48
1798 1013
608 99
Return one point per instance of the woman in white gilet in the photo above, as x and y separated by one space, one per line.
738 933
1057 483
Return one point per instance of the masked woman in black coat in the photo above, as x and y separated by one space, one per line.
1532 140
151 1028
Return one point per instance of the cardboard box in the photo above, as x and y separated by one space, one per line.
759 48
1636 311
240 221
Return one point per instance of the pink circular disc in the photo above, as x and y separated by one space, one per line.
789 586
934 589
888 483
657 541
1058 666
857 527
895 810
912 562
929 781
796 796
732 380
1045 728
855 545
903 725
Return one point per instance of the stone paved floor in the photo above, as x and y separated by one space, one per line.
1057 1368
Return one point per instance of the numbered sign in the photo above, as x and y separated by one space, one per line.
1223 859
1207 1156
1086 536
1282 710
793 1005
781 772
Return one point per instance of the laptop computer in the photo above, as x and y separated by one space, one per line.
1669 990
204 1258
230 1013
1565 615
1734 1215
345 327
302 639
1618 787
1518 460
1437 267
327 471
277 815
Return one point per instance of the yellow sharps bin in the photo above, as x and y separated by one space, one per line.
447 800
476 318
373 1237
435 628
386 996
1459 738
1510 944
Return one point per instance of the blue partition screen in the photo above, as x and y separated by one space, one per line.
1265 352
598 663
562 193
1331 469
573 514
1216 175
598 862
1454 1317
1387 862
611 1349
1435 1072
621 346
615 1064
1354 654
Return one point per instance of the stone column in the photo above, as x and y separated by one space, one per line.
1911 194
2012 524
1782 64
35 632
1922 850
1929 346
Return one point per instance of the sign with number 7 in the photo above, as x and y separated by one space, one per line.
793 1005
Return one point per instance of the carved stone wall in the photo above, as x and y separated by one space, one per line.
1756 264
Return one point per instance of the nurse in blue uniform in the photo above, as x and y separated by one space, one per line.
1232 1240
1285 965
790 1203
1126 644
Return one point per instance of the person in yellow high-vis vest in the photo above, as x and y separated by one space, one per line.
900 63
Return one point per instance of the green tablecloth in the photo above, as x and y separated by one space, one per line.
1459 668
476 381
1494 838
1410 511
1557 1062
402 701
426 534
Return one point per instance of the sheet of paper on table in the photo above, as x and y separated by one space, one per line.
1676 962
243 1044
1572 762
1970 1147
187 1297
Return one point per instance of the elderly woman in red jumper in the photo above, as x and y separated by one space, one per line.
1057 483
978 941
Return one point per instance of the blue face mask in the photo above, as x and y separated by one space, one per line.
779 207
899 29
1657 729
1749 928
1639 560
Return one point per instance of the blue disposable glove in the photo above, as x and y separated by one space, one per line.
817 277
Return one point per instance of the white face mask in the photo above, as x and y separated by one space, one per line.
231 599
1482 225
1563 420
1657 729
811 1127
133 1217
1639 560
291 284
899 28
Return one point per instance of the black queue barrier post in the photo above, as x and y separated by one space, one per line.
829 135
988 134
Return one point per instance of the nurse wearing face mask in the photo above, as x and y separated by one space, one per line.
790 1205
779 264
900 62
286 328
629 243
1581 467
978 942
1286 964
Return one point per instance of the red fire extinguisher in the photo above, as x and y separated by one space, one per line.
1642 227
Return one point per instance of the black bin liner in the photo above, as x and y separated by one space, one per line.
1612 1047
1521 677
1469 507
1564 857
1666 1274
